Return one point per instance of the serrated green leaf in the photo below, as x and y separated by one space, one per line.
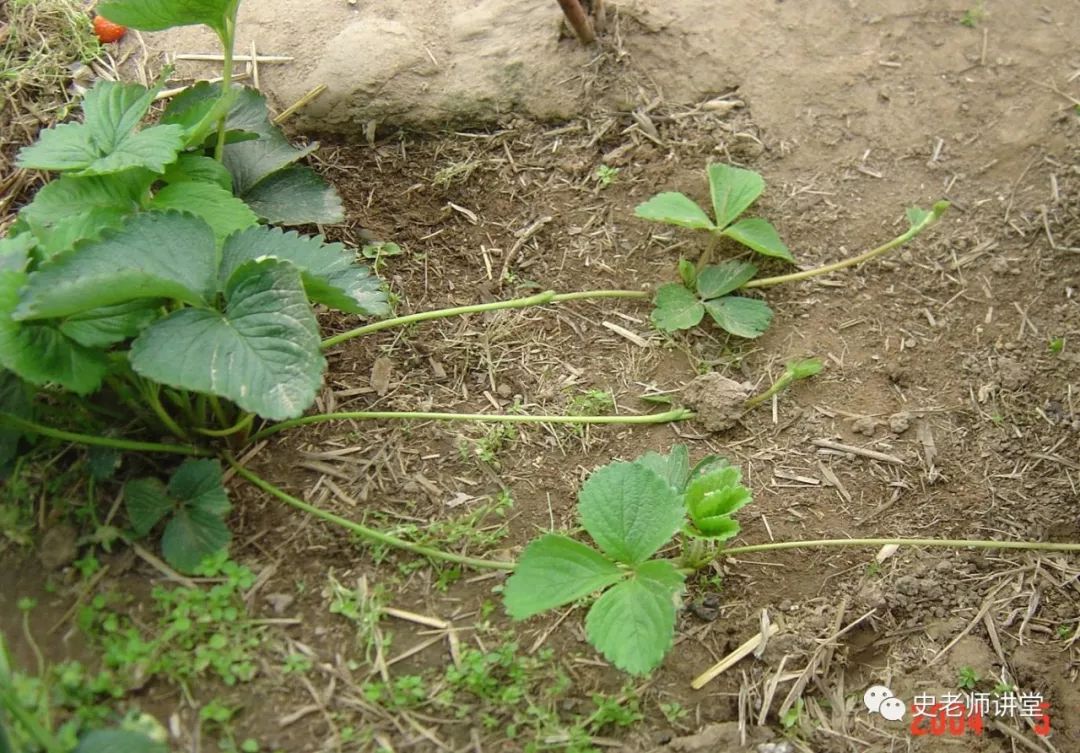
16 398
157 15
263 353
216 206
743 317
70 209
674 208
101 327
331 276
629 511
673 467
661 575
633 623
191 536
721 279
251 161
146 503
152 148
555 570
119 741
15 252
712 498
295 195
112 110
88 225
155 255
688 273
676 308
733 190
67 146
197 484
760 236
102 462
917 216
200 168
106 141
41 354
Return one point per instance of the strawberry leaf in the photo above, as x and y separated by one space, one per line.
721 279
733 190
674 208
329 271
760 236
630 511
106 141
743 317
157 15
155 255
555 570
223 212
263 352
676 308
633 624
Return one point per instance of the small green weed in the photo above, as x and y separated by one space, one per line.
972 16
605 175
1057 345
361 606
673 711
494 439
967 678
378 251
199 631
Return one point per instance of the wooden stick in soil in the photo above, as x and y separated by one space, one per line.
579 22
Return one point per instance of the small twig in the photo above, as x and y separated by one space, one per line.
237 58
523 237
299 104
872 454
733 658
162 568
579 22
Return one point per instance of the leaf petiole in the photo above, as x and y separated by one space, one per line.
926 221
678 414
540 299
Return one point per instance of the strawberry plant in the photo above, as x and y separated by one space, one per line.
632 511
712 288
733 190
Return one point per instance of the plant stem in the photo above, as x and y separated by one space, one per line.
154 401
914 230
228 38
364 531
6 419
782 383
10 702
588 294
548 296
678 414
219 411
243 423
950 543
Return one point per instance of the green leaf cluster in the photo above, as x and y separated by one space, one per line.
631 511
732 190
682 306
193 504
147 260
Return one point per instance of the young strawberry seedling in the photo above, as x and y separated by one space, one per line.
632 511
733 190
713 288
